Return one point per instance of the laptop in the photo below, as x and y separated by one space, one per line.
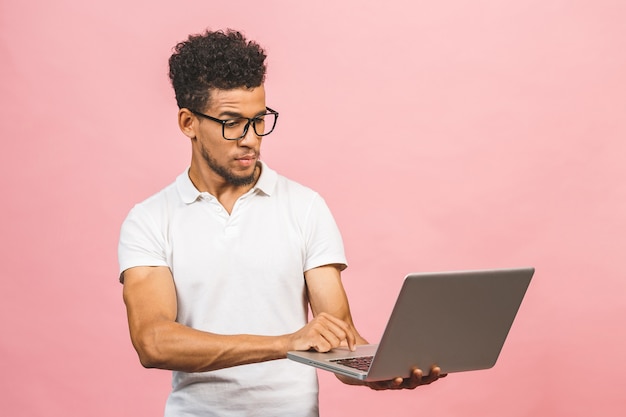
456 320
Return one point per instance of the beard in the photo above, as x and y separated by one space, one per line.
228 175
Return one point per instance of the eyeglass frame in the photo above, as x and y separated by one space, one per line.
251 121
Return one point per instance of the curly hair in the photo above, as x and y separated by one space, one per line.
214 60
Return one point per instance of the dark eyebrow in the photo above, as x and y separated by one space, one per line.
229 114
235 115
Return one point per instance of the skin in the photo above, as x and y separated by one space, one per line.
227 170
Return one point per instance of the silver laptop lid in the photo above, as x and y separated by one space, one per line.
455 320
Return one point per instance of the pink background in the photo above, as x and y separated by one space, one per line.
443 135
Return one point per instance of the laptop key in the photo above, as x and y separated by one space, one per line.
361 363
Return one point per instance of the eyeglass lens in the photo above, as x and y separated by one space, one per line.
237 128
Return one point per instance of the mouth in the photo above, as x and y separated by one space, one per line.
247 160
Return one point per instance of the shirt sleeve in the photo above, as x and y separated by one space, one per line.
141 242
324 244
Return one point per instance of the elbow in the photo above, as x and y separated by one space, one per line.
149 350
149 360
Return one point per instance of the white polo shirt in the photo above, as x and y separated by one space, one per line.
238 274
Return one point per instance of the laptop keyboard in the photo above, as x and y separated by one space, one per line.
361 363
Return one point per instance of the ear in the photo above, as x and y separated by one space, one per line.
187 123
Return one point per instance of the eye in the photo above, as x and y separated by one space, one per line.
233 123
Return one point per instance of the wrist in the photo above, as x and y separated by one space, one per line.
283 345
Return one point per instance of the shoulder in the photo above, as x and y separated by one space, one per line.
164 202
181 191
275 184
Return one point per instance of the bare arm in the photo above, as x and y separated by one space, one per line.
161 342
327 296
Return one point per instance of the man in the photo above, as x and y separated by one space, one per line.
219 268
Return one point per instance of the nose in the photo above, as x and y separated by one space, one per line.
250 138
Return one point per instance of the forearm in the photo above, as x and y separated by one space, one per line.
170 345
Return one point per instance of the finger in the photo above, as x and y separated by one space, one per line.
347 332
327 340
351 339
397 383
392 384
327 335
340 330
434 375
415 380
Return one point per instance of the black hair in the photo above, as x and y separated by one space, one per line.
214 60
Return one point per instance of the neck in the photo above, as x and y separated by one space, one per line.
226 192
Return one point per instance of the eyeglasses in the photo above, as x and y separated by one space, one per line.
235 129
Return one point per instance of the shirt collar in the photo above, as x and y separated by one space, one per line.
189 193
267 181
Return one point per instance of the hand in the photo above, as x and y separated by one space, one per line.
324 333
415 380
